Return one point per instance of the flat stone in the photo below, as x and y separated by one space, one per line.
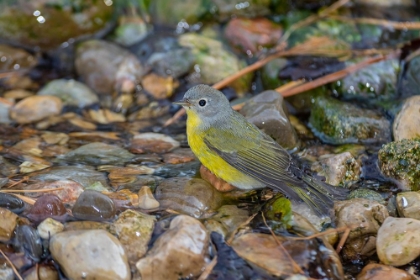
89 255
178 253
36 108
398 241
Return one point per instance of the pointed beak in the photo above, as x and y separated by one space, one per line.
183 102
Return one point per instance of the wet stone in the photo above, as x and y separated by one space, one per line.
368 216
194 197
98 154
366 194
5 106
159 87
408 204
15 56
230 217
49 227
146 199
398 241
134 230
36 108
267 111
153 143
188 169
179 252
71 92
107 67
376 271
407 122
399 160
7 273
27 240
41 272
174 63
263 251
336 122
90 254
12 203
8 223
252 35
339 170
47 206
93 205
68 193
180 155
215 62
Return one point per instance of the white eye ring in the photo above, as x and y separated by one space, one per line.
202 102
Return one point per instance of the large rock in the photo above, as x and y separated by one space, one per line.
180 252
398 241
399 160
336 122
365 218
90 254
407 122
267 112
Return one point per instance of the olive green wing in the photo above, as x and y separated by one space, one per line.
259 156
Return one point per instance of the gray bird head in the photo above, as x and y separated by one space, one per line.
209 103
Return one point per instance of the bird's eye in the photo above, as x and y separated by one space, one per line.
202 102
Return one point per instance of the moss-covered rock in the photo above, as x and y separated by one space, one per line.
367 194
336 122
401 160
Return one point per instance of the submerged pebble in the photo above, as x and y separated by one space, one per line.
146 199
36 108
48 227
28 240
93 205
8 223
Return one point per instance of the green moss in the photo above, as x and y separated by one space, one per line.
401 160
337 122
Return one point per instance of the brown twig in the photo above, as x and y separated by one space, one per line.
334 76
343 240
232 235
295 265
319 234
208 269
12 265
24 179
401 25
31 191
26 199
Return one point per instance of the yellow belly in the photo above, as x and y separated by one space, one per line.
215 163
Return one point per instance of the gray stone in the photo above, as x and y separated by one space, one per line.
267 112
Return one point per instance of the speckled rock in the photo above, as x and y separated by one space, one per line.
398 241
179 252
366 216
134 230
90 254
36 108
8 223
267 111
339 170
400 160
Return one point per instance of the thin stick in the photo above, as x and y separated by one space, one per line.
401 25
26 199
295 265
208 269
11 264
31 191
333 76
232 235
319 234
342 241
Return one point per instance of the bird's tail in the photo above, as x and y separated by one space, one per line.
318 194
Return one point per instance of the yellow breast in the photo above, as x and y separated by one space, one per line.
211 160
